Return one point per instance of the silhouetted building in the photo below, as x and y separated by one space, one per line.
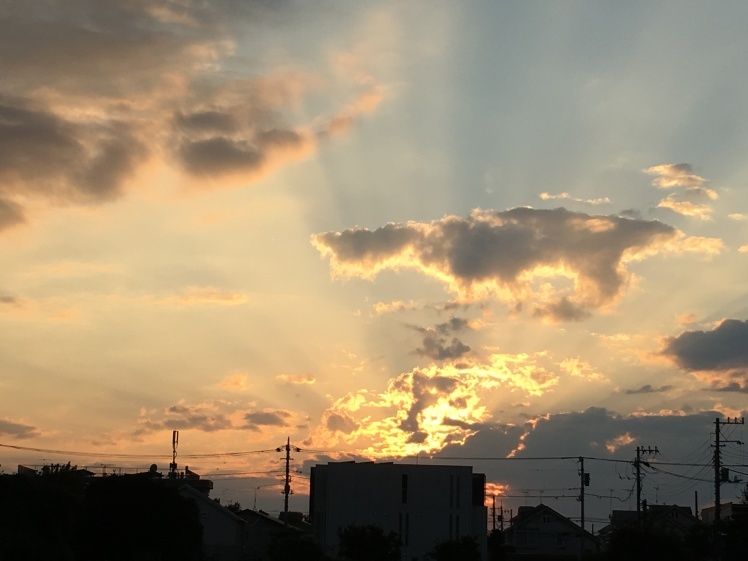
225 535
676 521
727 511
540 531
263 529
424 505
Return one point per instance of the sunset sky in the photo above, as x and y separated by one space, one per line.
382 229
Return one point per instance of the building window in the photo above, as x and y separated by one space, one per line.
404 489
546 519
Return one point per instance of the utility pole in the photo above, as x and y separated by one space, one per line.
584 481
493 513
287 484
637 464
718 477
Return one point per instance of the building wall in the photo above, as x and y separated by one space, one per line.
425 505
224 534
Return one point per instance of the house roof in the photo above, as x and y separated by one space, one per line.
202 498
673 515
527 515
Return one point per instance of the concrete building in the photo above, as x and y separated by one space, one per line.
424 505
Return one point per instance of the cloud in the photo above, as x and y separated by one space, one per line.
366 102
718 357
428 408
47 155
686 208
502 253
435 345
267 418
340 422
92 91
392 307
578 368
732 387
207 295
562 311
18 430
647 388
688 201
724 348
237 382
296 378
619 441
11 214
674 175
550 197
213 416
205 417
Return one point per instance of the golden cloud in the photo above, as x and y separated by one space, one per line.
674 175
492 254
686 208
618 442
428 408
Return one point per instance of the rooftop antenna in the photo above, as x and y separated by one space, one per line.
174 445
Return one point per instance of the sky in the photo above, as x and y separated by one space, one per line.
389 231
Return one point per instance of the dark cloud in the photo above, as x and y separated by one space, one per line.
732 387
504 248
435 345
219 155
11 214
454 324
647 388
206 423
266 418
206 121
338 422
724 348
563 310
18 430
42 154
102 47
436 348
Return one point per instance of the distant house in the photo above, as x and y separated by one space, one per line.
262 529
727 511
225 535
424 505
542 533
675 520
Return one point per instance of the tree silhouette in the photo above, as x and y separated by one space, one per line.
462 549
368 543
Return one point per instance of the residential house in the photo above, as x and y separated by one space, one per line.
225 535
542 533
675 520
